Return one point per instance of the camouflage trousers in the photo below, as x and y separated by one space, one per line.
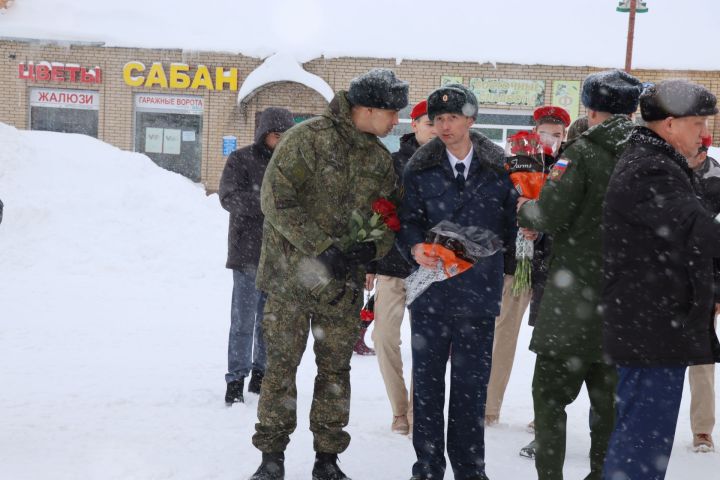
286 326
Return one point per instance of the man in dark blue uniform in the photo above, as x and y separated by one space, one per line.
458 177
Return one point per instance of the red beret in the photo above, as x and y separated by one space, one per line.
419 110
551 111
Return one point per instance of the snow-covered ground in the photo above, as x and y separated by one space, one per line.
114 310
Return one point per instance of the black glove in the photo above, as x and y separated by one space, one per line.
334 260
361 253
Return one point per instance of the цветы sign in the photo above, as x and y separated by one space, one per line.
59 72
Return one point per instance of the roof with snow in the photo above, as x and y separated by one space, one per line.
672 35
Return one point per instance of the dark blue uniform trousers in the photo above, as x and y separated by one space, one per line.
467 341
648 402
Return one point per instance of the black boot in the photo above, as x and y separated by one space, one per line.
271 468
256 381
326 468
234 392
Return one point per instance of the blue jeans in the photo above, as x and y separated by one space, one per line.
246 348
468 342
648 401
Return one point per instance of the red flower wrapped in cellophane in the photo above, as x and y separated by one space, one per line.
526 163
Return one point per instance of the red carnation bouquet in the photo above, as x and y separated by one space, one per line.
526 162
368 228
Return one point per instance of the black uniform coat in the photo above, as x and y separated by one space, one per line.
394 264
488 201
658 246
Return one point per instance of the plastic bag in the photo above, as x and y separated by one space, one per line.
457 248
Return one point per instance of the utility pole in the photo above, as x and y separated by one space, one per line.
631 6
630 36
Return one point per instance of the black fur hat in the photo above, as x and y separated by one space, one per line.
611 91
379 88
676 98
452 98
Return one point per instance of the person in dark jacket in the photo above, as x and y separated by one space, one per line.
240 195
701 378
458 176
567 337
390 273
659 242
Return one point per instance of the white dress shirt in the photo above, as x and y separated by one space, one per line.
454 161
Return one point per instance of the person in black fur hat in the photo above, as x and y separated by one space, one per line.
658 303
457 176
567 337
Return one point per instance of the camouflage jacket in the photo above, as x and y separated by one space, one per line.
322 170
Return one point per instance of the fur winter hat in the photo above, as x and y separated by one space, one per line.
379 88
452 98
611 91
676 98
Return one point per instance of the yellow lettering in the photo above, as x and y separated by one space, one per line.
178 79
130 79
202 78
230 77
156 76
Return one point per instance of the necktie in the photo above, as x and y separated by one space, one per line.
460 177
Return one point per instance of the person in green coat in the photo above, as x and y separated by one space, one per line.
322 171
567 337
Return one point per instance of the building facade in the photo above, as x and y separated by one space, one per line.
182 108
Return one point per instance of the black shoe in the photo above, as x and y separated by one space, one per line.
528 450
326 468
271 468
255 382
234 392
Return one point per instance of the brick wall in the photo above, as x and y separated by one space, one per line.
223 115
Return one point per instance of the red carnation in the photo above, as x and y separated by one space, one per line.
392 222
384 207
367 315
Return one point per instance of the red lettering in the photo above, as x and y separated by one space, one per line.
42 72
72 98
52 97
98 75
87 76
62 98
73 71
86 99
57 74
43 96
26 73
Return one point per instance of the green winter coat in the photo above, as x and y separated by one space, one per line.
322 170
570 209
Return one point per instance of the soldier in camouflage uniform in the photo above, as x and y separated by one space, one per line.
322 170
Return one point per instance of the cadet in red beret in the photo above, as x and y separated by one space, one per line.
551 124
388 276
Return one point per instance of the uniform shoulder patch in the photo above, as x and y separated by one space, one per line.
559 168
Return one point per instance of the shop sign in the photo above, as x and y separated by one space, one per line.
186 104
180 76
566 94
56 98
447 79
500 91
59 72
